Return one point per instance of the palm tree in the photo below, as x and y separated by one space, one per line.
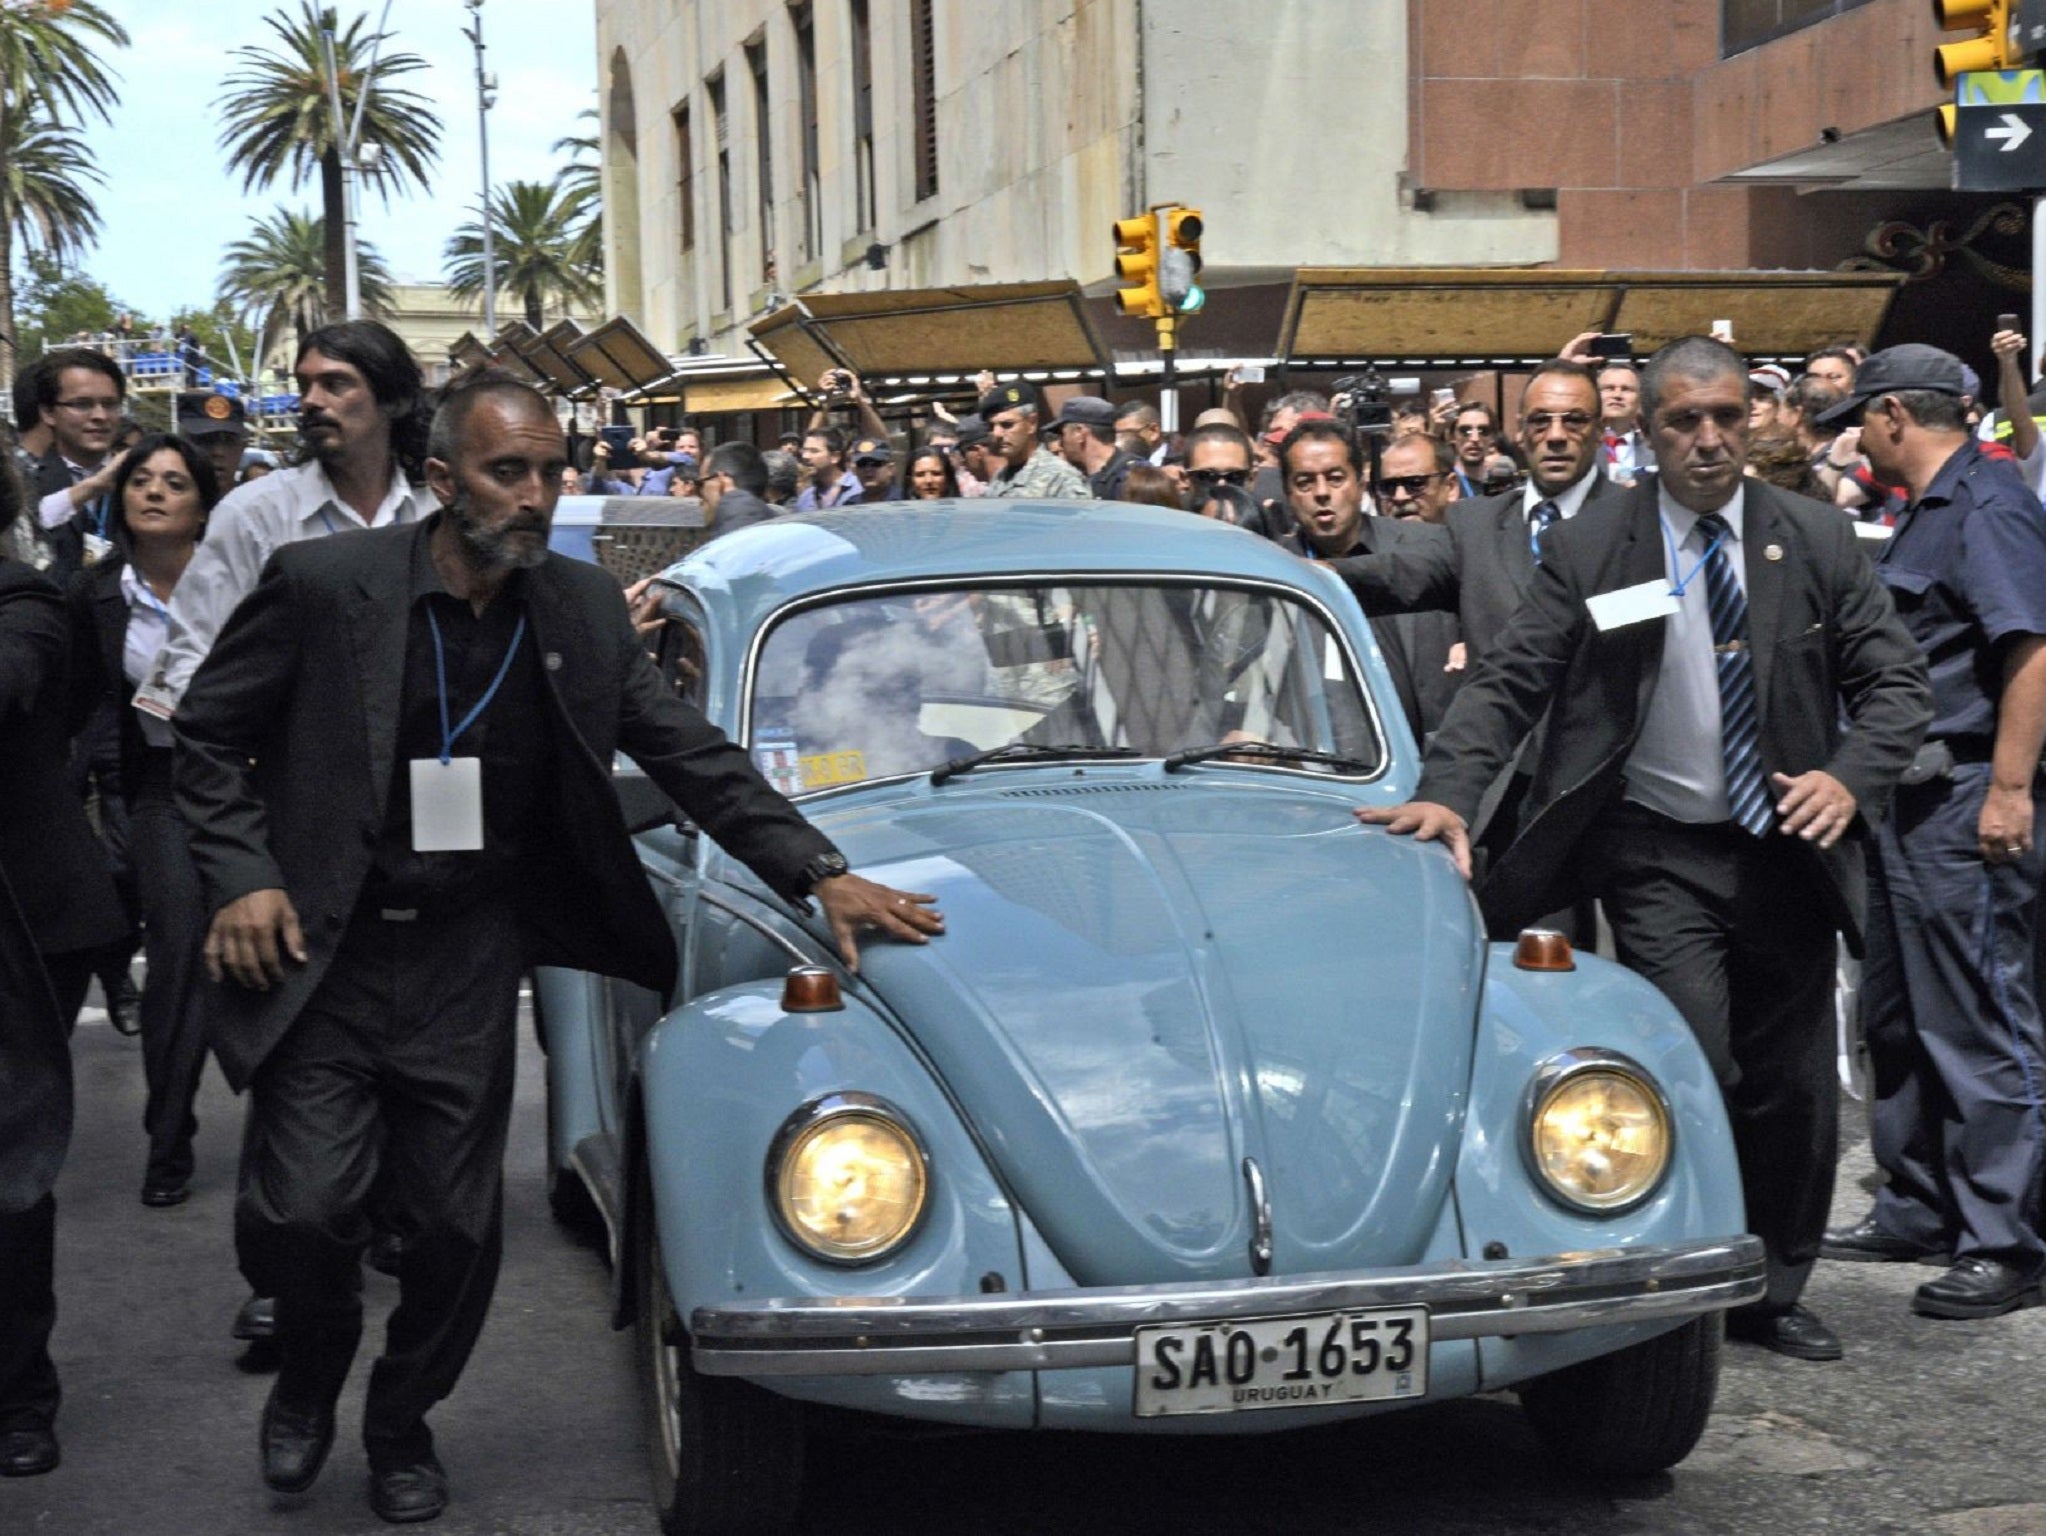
535 251
581 184
275 120
51 80
278 274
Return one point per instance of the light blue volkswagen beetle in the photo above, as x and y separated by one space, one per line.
1211 1112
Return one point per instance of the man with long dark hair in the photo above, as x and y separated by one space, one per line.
363 416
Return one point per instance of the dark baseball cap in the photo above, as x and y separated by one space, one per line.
1007 397
872 450
971 430
209 412
1895 369
1086 411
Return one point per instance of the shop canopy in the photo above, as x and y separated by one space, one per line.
1505 315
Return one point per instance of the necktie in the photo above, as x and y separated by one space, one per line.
1538 521
1740 735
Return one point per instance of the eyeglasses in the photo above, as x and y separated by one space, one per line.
109 405
1472 429
1494 484
1219 476
1413 485
1576 423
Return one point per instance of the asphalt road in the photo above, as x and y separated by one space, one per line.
1925 1428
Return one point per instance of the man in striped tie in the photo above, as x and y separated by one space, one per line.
1698 643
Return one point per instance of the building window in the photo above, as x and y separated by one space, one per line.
809 191
763 136
685 186
864 199
1745 24
720 124
923 71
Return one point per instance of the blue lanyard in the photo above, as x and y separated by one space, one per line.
1677 587
440 673
328 518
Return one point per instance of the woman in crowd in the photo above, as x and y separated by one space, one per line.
1150 487
928 476
163 492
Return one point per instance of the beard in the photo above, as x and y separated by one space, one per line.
493 551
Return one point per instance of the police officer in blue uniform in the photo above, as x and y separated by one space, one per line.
1954 1036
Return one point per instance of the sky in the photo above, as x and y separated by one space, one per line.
169 206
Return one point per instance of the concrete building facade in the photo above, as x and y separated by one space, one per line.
756 150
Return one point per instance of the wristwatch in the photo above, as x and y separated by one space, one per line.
826 866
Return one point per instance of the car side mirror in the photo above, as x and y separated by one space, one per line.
645 805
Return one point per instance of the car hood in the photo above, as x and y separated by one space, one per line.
1145 981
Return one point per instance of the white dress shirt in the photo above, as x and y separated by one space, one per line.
251 523
1677 766
142 643
57 509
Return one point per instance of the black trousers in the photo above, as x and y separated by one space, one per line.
1730 928
173 1021
402 1060
1955 1043
28 1253
28 1311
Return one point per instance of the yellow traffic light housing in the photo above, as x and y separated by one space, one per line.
1949 125
1136 262
1993 48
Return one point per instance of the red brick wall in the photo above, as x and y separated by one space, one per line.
1625 108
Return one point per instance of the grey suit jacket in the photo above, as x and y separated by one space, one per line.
1824 636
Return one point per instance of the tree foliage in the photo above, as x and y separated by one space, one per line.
52 81
532 224
277 123
276 275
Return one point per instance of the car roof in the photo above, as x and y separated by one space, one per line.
763 567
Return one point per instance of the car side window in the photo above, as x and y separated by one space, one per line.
681 652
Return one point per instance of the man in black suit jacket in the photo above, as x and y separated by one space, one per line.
378 894
1323 471
57 910
80 394
1694 644
1480 562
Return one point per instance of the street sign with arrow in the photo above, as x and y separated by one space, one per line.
1997 138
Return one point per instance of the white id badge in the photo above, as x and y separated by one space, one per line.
1631 605
447 805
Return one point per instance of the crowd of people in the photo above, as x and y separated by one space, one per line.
1752 659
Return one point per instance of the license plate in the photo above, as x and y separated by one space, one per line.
1282 1362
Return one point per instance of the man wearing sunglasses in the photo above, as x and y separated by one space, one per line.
1416 478
1473 433
1219 471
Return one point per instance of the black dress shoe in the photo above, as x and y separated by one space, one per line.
27 1452
1797 1333
1866 1242
408 1494
294 1442
1977 1287
257 1319
161 1194
124 1005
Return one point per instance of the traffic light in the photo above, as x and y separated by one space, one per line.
1993 47
1181 260
1136 261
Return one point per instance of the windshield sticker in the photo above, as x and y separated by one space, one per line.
775 757
829 768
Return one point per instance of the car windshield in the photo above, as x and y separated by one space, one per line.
879 686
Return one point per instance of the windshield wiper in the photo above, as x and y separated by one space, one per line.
1257 749
1023 751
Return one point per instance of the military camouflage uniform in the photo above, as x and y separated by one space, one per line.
1044 474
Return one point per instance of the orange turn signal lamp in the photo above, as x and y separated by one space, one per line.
1544 949
811 989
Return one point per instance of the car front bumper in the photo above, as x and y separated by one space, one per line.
1096 1326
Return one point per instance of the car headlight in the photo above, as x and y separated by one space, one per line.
1599 1132
847 1178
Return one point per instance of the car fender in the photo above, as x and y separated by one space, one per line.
719 1077
1525 1018
566 1005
